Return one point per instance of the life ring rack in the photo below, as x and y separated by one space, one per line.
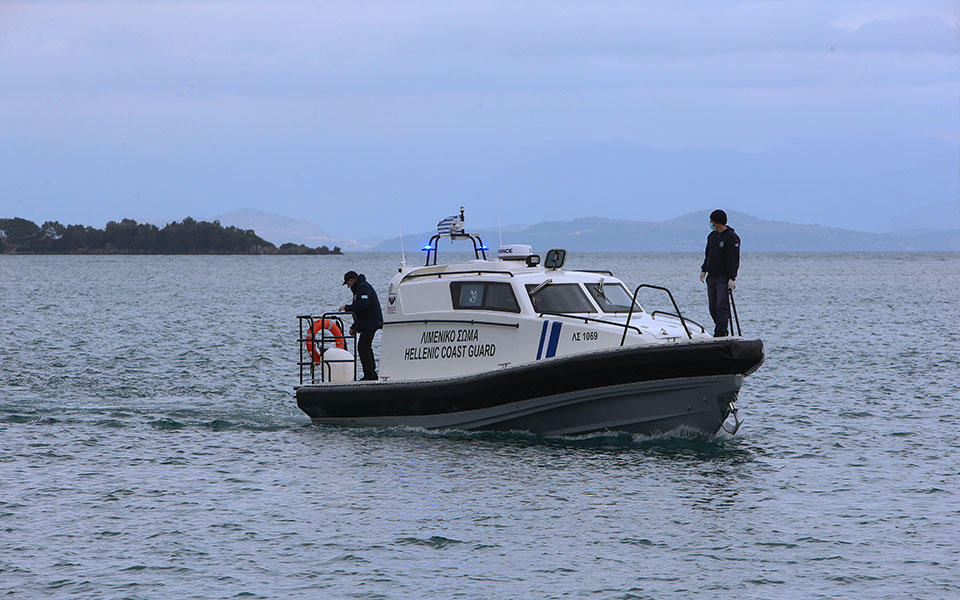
316 337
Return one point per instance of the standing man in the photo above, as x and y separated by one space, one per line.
720 265
367 319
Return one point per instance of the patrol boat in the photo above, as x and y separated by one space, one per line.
516 344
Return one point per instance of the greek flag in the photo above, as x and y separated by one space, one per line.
450 226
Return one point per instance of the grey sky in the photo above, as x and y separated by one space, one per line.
130 86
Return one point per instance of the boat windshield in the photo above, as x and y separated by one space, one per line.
612 298
560 298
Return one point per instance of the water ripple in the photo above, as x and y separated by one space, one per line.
147 457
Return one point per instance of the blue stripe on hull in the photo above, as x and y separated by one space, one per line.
554 339
543 335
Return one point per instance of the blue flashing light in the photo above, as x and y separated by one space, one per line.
428 248
484 248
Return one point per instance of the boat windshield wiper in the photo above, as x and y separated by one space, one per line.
600 290
534 291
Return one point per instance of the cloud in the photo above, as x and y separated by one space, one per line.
212 72
291 46
912 34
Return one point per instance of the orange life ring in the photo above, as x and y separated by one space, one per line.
313 341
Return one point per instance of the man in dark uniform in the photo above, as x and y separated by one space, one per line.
720 265
367 319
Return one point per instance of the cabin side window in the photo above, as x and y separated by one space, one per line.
477 295
560 298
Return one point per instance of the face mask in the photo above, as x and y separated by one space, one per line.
713 227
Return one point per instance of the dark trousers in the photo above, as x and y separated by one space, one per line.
719 299
365 350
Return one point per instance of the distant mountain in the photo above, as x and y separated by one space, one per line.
938 217
934 240
279 229
850 180
814 179
689 232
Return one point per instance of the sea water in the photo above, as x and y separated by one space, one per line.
151 447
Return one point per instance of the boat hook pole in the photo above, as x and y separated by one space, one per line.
733 315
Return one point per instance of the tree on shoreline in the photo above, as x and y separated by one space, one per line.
21 236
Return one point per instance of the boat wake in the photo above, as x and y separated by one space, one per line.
682 441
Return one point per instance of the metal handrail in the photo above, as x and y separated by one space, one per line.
471 322
669 314
586 319
439 274
633 305
478 249
323 340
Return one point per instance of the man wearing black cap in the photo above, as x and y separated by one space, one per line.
367 319
719 269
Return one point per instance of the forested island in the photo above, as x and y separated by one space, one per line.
21 236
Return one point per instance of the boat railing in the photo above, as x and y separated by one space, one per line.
479 249
654 314
439 274
306 364
591 320
461 321
633 306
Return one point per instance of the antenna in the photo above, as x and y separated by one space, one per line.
403 258
499 226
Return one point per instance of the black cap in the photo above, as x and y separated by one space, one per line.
718 216
348 276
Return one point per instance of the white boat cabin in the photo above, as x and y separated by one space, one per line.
456 319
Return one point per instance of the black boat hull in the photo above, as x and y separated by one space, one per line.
639 389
